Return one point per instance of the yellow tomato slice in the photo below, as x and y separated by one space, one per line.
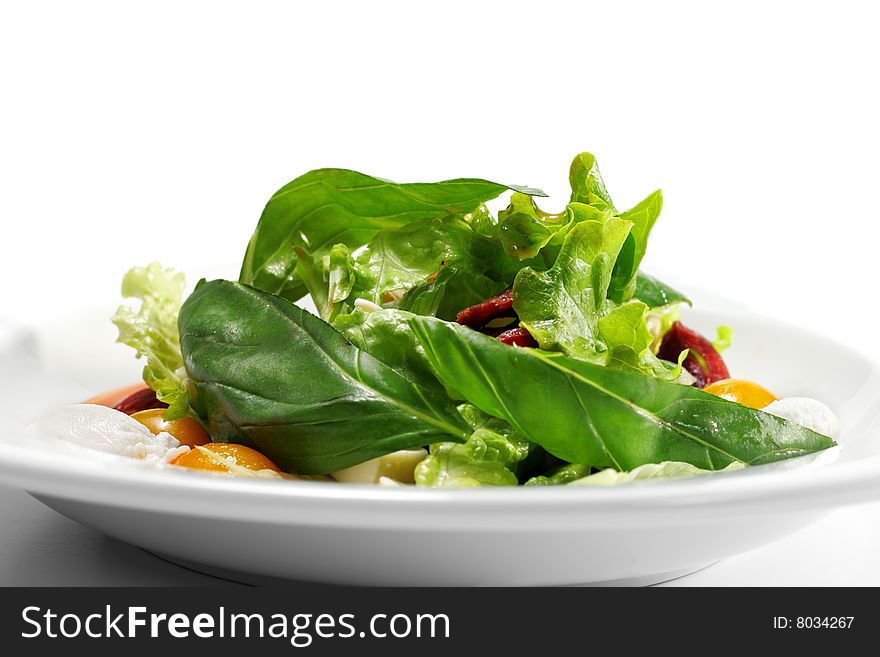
743 392
186 430
225 457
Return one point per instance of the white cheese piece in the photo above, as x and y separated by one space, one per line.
398 466
108 430
366 305
809 413
685 378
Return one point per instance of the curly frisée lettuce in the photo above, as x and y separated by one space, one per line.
151 331
523 347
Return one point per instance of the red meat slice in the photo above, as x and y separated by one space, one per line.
679 338
518 337
142 400
484 312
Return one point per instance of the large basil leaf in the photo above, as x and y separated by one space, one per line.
268 374
337 206
603 417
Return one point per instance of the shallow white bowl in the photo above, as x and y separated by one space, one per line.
637 533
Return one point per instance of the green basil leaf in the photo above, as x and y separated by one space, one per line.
337 206
656 294
584 413
268 374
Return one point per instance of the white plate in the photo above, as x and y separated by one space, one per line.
346 534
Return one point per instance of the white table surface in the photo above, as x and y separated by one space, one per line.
39 547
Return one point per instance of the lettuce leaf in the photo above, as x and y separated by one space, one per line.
723 339
643 217
624 332
566 309
397 259
561 307
582 305
524 229
492 456
152 332
495 255
341 273
465 466
338 206
564 474
431 267
664 470
586 183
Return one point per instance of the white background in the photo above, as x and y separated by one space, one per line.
132 132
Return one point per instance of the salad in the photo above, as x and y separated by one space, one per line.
447 347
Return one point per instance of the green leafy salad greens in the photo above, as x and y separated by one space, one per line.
384 365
